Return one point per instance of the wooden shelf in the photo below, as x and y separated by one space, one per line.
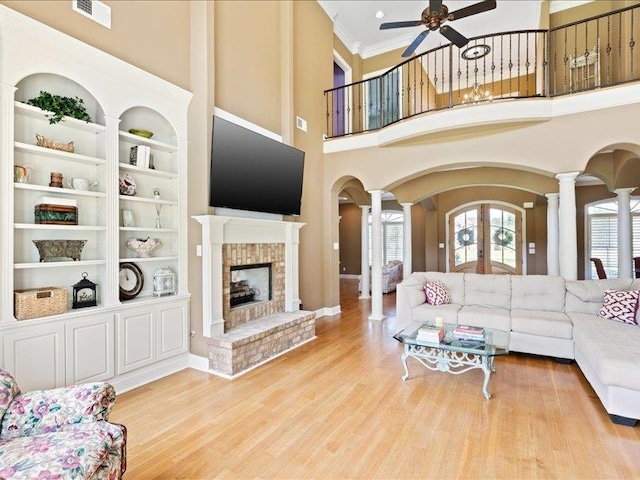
147 171
64 191
37 113
59 154
150 259
66 228
70 263
130 198
148 229
138 140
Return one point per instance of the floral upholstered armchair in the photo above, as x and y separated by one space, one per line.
62 433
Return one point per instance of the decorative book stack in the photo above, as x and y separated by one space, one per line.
467 332
141 157
430 334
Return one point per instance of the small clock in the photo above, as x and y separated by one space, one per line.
84 293
131 280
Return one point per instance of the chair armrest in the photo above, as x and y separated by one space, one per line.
42 411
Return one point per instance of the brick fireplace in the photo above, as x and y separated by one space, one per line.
245 336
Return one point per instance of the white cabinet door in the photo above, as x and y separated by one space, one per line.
35 356
173 327
136 339
90 349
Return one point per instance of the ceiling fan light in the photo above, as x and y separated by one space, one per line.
475 52
379 14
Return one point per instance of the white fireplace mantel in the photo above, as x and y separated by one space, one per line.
218 230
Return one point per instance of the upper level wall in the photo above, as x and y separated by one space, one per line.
153 36
248 60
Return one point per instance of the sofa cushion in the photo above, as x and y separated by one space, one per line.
436 293
413 289
537 292
587 296
542 323
610 348
620 305
491 291
76 452
479 316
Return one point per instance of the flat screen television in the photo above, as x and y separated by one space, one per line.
250 171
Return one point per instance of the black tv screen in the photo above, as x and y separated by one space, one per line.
250 171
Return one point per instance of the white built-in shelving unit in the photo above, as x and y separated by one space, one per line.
127 342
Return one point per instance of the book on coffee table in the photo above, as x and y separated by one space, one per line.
468 332
430 334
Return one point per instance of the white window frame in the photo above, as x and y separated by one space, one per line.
384 243
377 73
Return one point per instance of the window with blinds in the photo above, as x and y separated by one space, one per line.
602 235
392 237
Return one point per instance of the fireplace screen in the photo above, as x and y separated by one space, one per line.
250 284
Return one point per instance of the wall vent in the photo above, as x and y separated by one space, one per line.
95 10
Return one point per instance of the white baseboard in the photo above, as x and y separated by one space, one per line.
141 376
350 275
328 311
198 363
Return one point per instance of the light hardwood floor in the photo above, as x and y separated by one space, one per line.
337 408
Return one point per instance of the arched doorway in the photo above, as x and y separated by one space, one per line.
485 238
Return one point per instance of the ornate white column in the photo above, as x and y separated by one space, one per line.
365 272
376 255
406 236
553 259
568 232
625 242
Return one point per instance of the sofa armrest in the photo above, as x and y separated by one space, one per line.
42 411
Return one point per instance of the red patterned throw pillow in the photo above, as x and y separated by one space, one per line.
620 305
436 293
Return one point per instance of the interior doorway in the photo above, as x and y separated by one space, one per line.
486 238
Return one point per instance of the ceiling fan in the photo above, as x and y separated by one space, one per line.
434 16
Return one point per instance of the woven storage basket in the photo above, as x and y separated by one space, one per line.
39 302
42 141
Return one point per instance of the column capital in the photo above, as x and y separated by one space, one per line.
552 196
567 177
376 193
365 208
624 192
406 204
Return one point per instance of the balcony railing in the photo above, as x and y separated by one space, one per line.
592 53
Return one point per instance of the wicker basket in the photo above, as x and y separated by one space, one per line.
42 141
39 302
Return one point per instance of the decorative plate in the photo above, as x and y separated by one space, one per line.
141 132
127 185
131 280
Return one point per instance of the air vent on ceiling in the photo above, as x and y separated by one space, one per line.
95 10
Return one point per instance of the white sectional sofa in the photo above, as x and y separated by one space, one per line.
545 315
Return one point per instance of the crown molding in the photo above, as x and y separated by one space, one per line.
388 45
341 33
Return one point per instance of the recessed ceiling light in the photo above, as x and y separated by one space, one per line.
379 14
475 52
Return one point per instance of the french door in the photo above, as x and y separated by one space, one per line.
485 238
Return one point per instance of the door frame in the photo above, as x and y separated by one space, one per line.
523 215
378 73
348 80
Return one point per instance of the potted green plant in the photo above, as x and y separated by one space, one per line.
60 107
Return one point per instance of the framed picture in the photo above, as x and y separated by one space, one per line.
127 218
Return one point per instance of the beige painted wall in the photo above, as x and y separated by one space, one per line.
151 35
247 60
313 74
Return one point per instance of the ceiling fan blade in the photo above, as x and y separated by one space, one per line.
417 41
411 23
435 5
454 36
472 10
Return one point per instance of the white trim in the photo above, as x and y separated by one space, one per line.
523 214
199 363
388 45
350 276
218 112
141 376
328 311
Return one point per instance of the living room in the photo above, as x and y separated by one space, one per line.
230 56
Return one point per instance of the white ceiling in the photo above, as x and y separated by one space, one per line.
355 22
